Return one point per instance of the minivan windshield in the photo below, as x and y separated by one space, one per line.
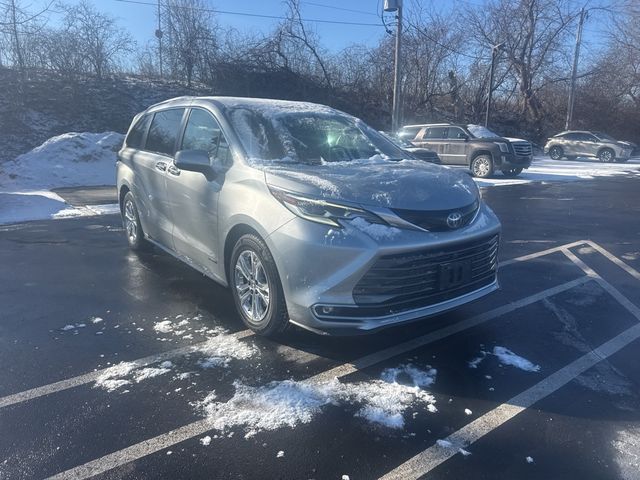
479 131
309 137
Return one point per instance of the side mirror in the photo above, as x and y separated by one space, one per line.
194 161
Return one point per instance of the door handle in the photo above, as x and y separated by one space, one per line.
162 166
173 170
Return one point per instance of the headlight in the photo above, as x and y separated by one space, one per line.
503 147
321 211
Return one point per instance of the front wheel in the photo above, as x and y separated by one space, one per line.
132 225
482 166
556 153
512 172
256 287
606 155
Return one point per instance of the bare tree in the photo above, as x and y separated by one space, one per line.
99 40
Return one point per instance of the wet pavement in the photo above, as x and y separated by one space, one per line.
539 380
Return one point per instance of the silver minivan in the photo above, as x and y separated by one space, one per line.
310 216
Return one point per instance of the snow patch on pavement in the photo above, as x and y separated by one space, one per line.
505 357
289 403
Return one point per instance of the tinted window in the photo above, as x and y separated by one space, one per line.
164 131
136 135
203 133
436 132
408 132
456 134
571 136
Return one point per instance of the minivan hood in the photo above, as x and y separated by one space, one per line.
406 184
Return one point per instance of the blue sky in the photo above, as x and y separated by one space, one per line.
140 20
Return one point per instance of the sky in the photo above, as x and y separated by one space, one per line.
140 20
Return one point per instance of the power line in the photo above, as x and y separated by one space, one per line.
339 8
245 14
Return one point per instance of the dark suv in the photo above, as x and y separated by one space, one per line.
477 147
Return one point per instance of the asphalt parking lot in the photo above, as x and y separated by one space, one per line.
118 365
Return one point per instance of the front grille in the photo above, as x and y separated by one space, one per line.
522 149
436 220
407 281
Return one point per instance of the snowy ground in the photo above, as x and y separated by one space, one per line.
68 160
87 159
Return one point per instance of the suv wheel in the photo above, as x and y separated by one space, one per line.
256 287
556 152
606 155
482 166
131 223
512 172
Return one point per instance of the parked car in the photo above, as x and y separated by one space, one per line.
477 147
573 143
413 151
306 213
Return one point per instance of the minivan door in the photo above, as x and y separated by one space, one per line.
152 163
193 196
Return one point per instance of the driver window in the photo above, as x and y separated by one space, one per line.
456 134
203 133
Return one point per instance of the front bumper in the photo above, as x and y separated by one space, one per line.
510 160
320 267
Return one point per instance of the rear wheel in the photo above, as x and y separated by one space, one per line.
606 155
512 172
131 221
256 287
556 152
482 166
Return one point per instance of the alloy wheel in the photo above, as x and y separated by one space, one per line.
252 286
130 221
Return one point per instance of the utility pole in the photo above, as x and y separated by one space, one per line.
574 70
159 35
396 6
494 56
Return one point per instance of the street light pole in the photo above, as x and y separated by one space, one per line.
574 71
159 35
494 55
396 6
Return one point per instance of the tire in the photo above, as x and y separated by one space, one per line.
556 152
132 225
252 274
512 172
482 166
606 155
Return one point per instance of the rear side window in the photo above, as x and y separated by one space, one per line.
164 131
136 135
436 132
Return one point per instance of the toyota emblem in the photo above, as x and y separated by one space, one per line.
454 220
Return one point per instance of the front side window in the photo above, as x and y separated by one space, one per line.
136 135
436 133
203 133
456 134
164 131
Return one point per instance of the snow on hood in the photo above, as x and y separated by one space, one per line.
69 159
407 184
511 139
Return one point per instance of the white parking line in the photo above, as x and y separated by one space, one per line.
142 362
435 455
92 376
160 442
626 267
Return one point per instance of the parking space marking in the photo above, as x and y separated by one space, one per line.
433 456
542 253
160 442
625 266
68 383
86 378
428 459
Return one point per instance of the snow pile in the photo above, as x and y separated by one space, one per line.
70 159
115 377
374 230
288 403
505 357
